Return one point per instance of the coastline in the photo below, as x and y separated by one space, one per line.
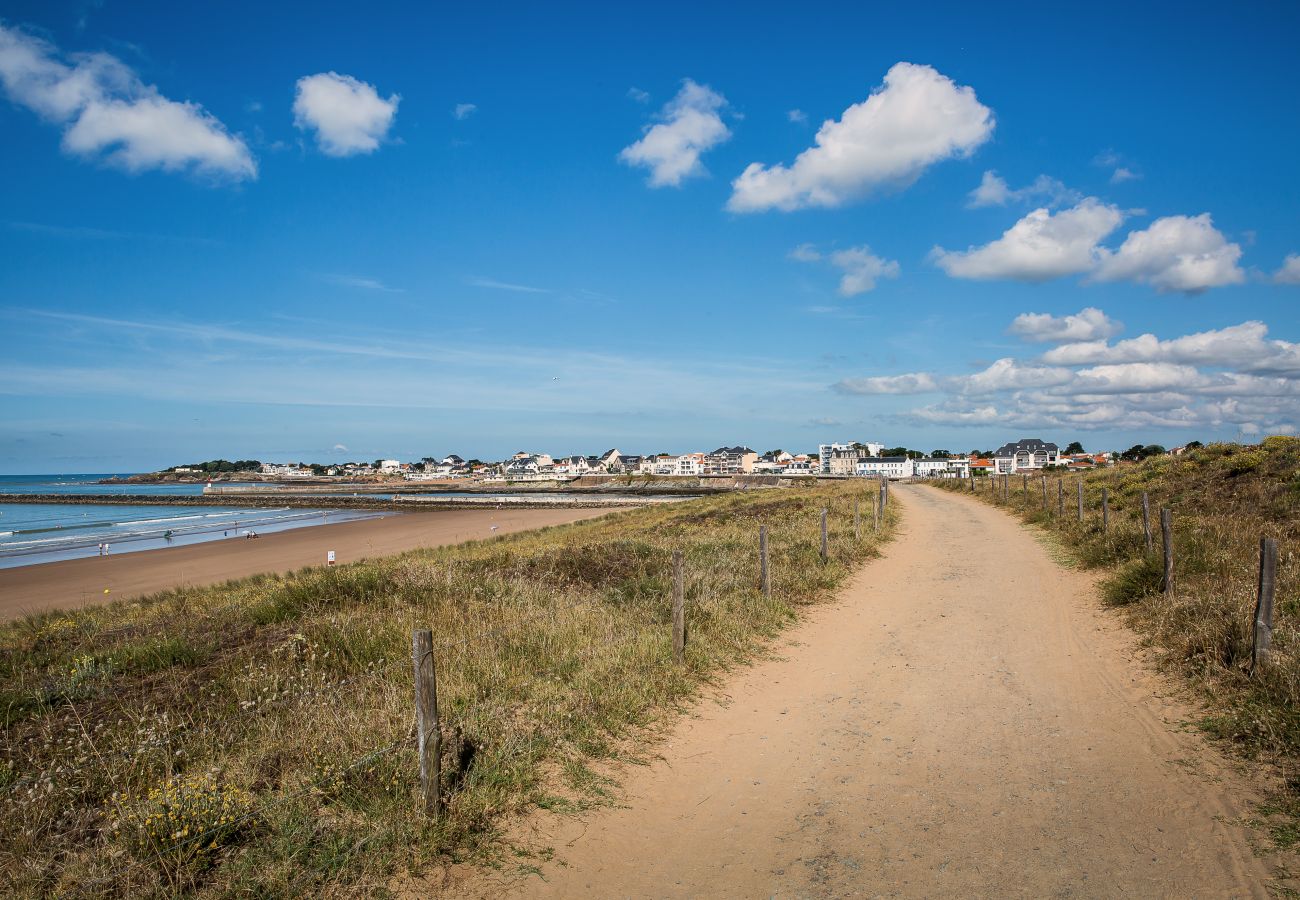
69 584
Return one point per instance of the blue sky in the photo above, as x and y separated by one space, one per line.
327 232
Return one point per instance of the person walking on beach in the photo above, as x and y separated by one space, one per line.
101 548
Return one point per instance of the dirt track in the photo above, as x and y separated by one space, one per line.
964 722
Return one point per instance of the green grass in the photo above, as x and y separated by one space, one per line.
1223 498
249 712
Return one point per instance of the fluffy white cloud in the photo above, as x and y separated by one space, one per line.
918 117
1089 324
912 383
1243 346
993 190
1041 246
1122 174
1223 380
805 253
861 268
1290 271
1176 253
108 113
671 148
462 111
348 116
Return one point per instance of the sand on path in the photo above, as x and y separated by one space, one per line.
965 721
76 582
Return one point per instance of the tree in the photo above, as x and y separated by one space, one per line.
1193 445
1074 447
940 454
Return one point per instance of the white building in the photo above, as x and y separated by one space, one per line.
892 467
1025 455
829 452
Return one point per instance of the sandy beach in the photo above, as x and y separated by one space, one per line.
73 583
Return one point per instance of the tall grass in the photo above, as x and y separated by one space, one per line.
255 738
1223 498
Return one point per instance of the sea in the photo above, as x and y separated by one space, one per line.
47 532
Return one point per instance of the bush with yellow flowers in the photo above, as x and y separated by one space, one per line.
188 817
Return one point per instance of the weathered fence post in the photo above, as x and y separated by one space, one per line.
1105 510
1044 493
764 576
1167 535
857 521
428 728
826 543
1024 490
1264 603
1146 519
679 608
1060 497
972 482
875 514
1080 499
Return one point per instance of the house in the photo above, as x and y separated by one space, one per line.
892 467
285 470
981 467
941 467
390 465
1025 455
688 464
730 461
571 466
609 460
453 461
847 455
800 465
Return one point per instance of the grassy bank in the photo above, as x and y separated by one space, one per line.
1223 498
257 737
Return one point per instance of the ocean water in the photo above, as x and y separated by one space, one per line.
46 532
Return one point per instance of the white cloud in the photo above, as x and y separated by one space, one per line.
917 118
1123 174
691 125
1243 346
1010 374
1176 253
1127 378
993 190
798 116
463 111
1041 246
805 253
506 286
861 268
640 96
361 281
348 116
912 383
341 447
1290 271
1088 324
108 113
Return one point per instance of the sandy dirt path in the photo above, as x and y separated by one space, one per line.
76 582
964 722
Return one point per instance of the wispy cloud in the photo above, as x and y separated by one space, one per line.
361 281
506 286
462 111
82 232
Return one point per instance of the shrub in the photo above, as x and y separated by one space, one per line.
187 818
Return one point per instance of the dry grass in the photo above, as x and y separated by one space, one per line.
1223 497
255 738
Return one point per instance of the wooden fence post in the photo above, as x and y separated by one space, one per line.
1044 493
679 608
1105 510
1024 490
1264 603
972 482
764 575
1080 499
1060 497
875 514
1146 519
857 521
826 543
428 728
1167 535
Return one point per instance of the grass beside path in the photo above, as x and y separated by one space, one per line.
1223 499
256 738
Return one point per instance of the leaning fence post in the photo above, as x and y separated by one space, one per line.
1080 499
1167 535
1264 603
1146 519
1105 510
826 544
679 608
764 577
428 728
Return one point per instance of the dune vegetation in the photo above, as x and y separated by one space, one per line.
257 738
1223 498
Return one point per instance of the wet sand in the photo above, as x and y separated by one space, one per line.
76 582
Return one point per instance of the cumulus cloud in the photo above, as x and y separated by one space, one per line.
911 383
993 190
1290 271
1089 324
916 118
462 111
109 114
1041 246
1176 253
860 267
690 126
1223 380
347 115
